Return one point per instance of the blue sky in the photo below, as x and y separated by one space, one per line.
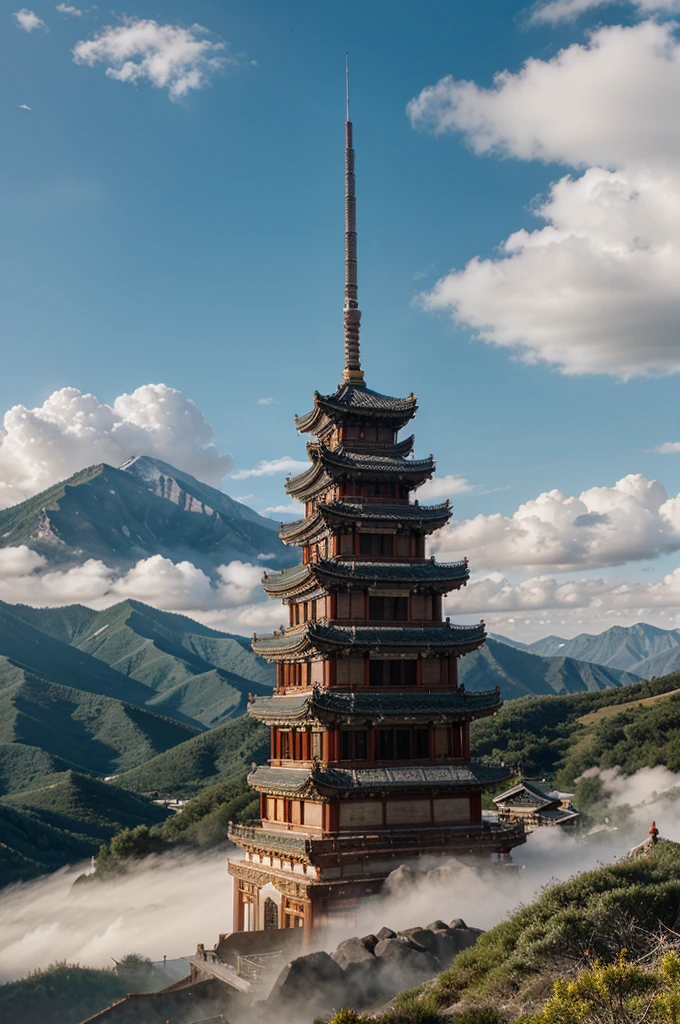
197 240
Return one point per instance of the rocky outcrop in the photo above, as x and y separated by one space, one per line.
367 971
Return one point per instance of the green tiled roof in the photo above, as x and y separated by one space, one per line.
414 704
416 573
282 842
335 461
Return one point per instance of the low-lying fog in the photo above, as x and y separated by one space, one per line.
169 904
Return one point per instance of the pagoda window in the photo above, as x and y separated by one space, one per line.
421 743
381 544
316 745
393 672
385 744
353 744
402 744
388 608
286 746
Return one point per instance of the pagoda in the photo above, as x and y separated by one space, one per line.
370 729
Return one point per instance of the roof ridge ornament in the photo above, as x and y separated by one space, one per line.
352 373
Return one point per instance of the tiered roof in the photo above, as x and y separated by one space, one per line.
300 579
350 401
357 705
318 780
330 464
338 513
313 638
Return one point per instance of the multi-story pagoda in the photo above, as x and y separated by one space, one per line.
370 753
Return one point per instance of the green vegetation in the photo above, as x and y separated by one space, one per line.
202 824
544 735
199 672
607 938
68 993
31 847
84 730
222 753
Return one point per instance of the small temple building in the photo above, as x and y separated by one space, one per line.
535 807
370 730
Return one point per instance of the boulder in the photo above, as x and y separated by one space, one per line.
421 937
457 922
437 926
370 941
403 963
385 933
315 982
354 951
364 984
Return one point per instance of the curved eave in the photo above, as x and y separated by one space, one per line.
329 573
331 781
314 639
427 518
302 531
324 706
354 403
340 462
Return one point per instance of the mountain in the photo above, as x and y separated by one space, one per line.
51 726
31 847
519 672
564 735
146 508
188 670
221 753
85 807
644 650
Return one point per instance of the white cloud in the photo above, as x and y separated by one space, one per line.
543 605
291 508
604 526
443 487
270 467
594 289
168 56
627 79
71 430
555 11
28 20
234 596
267 401
668 448
75 12
24 106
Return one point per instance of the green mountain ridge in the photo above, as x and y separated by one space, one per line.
95 733
642 649
520 673
219 754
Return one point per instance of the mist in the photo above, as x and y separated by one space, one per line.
168 904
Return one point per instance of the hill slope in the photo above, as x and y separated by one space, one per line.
189 671
222 753
561 736
123 515
519 673
74 728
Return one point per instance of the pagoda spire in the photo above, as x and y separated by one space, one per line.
352 373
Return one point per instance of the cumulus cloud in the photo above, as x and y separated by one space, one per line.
668 448
291 508
270 467
167 56
29 20
75 12
233 600
555 11
71 430
443 487
592 290
267 401
604 526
